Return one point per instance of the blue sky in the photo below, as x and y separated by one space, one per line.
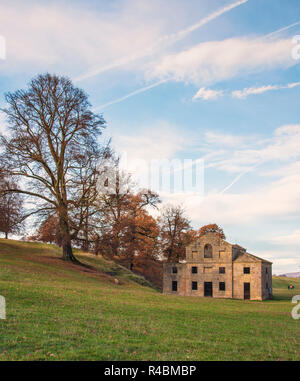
175 80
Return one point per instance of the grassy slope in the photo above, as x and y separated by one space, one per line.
56 312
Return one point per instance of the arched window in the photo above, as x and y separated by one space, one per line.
207 251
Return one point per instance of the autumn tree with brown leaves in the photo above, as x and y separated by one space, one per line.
12 213
212 228
125 229
141 229
48 231
53 139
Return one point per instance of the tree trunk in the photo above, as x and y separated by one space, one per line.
6 235
68 252
66 238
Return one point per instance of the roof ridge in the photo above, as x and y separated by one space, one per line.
253 256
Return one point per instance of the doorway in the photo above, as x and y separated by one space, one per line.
208 289
246 290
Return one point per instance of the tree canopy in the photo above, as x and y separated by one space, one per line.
53 146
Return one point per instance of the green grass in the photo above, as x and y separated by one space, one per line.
56 311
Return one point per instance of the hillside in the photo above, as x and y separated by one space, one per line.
291 275
59 311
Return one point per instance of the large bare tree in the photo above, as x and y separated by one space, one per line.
53 146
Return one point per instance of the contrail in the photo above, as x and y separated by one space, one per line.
169 39
282 29
141 90
181 34
236 179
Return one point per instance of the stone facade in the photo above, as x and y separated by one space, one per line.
216 268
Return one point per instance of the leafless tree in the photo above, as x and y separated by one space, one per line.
53 146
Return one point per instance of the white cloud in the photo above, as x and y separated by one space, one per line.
92 39
283 260
253 90
145 153
292 238
162 42
292 85
218 138
242 94
214 61
284 145
278 199
158 141
40 35
208 94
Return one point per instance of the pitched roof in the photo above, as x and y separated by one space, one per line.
249 257
238 246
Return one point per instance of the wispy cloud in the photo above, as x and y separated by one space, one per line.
208 94
292 239
279 198
161 42
242 94
284 145
169 39
205 63
224 139
253 90
72 37
213 61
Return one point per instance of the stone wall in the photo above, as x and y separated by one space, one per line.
232 257
179 277
254 278
266 283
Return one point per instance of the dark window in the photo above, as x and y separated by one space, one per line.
246 270
207 251
222 286
174 270
267 286
174 285
194 286
266 270
221 270
194 270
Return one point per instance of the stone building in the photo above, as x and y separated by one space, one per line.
216 268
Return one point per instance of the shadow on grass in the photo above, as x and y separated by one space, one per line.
285 297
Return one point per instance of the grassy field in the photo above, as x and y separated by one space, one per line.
57 311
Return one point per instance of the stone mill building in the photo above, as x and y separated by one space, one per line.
216 268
